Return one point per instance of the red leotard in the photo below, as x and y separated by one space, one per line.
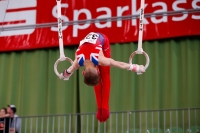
102 90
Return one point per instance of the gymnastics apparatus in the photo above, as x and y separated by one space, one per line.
102 89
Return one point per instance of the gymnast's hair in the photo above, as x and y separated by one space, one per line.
91 77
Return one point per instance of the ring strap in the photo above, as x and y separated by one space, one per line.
60 36
140 50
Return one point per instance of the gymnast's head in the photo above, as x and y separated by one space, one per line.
91 76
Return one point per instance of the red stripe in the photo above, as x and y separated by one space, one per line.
13 22
20 9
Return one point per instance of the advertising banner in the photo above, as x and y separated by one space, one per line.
32 12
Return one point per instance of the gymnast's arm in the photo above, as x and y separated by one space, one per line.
110 62
73 67
68 72
103 61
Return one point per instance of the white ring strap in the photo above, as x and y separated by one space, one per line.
60 36
140 50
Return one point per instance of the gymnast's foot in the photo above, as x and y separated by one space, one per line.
102 114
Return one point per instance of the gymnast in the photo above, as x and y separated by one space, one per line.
93 54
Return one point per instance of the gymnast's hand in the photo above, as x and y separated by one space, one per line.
137 68
65 75
68 72
141 69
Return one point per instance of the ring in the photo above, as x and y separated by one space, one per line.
144 53
59 60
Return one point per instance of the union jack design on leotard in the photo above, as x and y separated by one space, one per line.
89 50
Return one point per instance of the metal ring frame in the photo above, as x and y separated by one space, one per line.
57 62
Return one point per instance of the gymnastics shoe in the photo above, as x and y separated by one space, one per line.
102 114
